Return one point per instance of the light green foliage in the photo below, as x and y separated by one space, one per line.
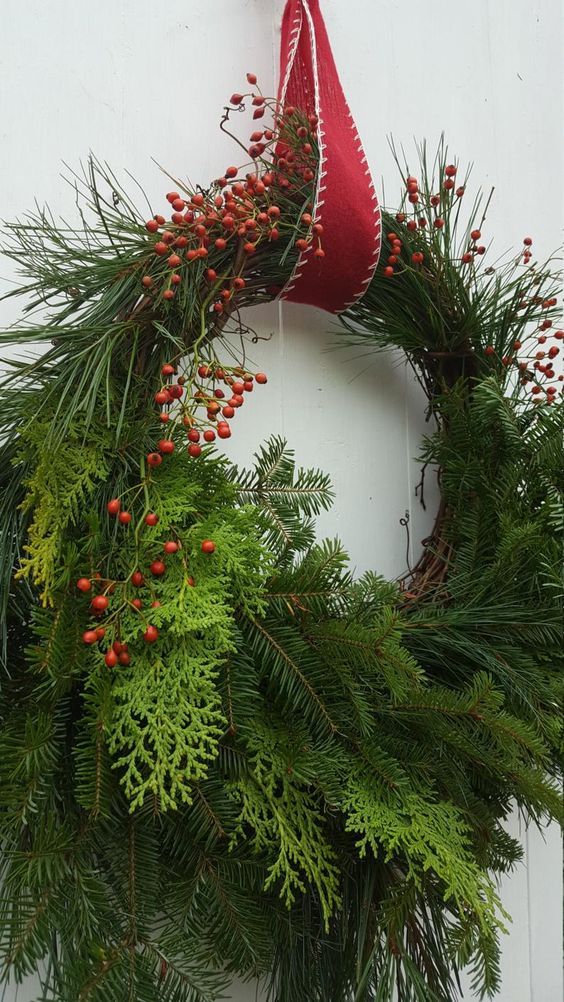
432 836
166 723
286 818
59 486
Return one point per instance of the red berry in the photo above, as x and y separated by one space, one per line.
438 223
166 446
261 378
208 546
448 185
528 241
147 281
209 435
137 603
193 435
161 248
171 546
100 603
124 517
238 387
157 568
151 634
89 636
162 397
175 391
179 204
476 234
151 225
168 294
190 581
111 658
411 224
124 658
154 459
168 369
151 518
490 350
83 584
223 430
388 271
172 196
235 99
467 258
100 633
137 579
113 506
417 257
194 450
251 78
450 171
228 411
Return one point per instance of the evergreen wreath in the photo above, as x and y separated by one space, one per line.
221 754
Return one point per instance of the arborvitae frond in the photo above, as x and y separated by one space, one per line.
166 723
59 486
286 819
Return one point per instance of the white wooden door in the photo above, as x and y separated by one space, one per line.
135 79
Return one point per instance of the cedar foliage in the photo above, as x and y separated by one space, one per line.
306 778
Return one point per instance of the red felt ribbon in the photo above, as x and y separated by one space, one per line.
345 200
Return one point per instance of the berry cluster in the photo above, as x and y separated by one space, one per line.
537 368
527 253
413 194
205 400
193 402
114 597
238 215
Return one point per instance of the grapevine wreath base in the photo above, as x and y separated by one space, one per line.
221 754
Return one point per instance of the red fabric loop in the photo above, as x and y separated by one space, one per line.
345 200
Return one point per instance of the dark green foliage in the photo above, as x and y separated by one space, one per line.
305 779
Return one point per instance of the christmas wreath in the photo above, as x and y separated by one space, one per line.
222 754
